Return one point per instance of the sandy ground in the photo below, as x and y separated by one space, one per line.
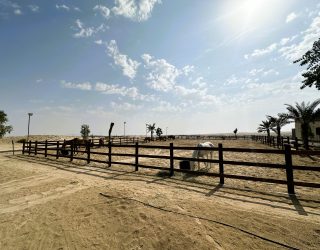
57 204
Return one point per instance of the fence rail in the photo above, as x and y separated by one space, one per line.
42 148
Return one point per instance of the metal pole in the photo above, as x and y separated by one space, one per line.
124 129
29 114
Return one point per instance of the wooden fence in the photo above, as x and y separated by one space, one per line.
279 143
46 148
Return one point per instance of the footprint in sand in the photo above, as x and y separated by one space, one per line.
37 198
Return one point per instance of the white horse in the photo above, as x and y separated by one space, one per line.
198 153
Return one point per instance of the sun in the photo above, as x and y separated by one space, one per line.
250 14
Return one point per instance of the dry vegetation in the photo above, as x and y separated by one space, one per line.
52 204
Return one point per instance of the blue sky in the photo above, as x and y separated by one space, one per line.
189 66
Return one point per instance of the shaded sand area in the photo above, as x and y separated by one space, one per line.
57 204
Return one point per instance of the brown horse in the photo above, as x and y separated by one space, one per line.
74 144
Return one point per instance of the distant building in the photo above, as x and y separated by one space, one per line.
315 130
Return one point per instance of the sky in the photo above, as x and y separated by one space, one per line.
191 67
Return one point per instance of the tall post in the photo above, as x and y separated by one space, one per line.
109 154
46 149
88 152
23 147
29 114
289 170
71 151
29 147
137 156
171 159
12 147
36 148
221 171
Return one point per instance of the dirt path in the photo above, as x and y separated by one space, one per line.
49 204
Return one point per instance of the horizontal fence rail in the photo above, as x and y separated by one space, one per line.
55 149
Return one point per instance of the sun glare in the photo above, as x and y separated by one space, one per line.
249 14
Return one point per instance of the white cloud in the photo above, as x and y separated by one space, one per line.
34 8
63 7
254 72
199 82
291 17
164 106
129 66
98 42
86 31
188 69
199 96
309 36
271 48
82 86
261 52
125 106
104 11
270 72
262 72
131 92
17 12
162 75
135 10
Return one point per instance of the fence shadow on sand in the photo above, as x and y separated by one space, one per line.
180 181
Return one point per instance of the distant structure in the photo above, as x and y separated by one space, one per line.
235 132
314 129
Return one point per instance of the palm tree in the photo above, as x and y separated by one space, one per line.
277 123
304 113
265 126
151 128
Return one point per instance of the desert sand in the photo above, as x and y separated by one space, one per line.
58 204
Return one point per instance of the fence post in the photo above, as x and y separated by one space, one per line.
71 151
109 154
171 159
221 171
12 147
35 147
289 170
46 149
88 152
23 147
137 156
57 155
29 147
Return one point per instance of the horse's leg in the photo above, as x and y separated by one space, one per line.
198 163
